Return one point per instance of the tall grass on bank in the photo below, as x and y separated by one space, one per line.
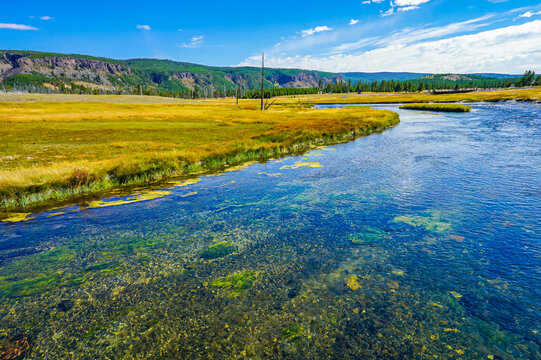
438 107
55 151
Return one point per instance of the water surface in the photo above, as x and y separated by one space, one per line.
420 242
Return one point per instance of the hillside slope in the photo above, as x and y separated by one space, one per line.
31 71
28 68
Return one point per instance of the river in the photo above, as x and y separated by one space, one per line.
423 241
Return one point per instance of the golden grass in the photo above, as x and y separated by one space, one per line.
437 107
528 94
114 144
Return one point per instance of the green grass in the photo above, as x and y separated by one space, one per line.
61 149
438 107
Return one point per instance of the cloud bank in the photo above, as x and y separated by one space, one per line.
510 49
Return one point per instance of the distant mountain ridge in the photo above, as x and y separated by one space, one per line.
32 69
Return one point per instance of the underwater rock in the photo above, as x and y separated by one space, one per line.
14 348
292 293
65 305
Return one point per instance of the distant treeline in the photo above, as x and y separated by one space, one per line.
436 82
33 83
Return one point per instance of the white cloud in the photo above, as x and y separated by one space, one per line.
408 36
353 22
408 8
195 42
509 49
529 14
143 27
317 29
409 2
373 1
17 27
46 18
403 5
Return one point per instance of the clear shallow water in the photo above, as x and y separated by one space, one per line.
420 242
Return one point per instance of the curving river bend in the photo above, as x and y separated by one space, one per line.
420 242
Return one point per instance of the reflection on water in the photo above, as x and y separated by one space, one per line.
420 242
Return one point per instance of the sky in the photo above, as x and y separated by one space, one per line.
433 36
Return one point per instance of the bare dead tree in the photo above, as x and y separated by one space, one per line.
267 105
262 80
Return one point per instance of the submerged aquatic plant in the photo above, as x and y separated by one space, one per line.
429 220
293 333
218 250
352 282
301 164
369 235
17 217
149 195
237 284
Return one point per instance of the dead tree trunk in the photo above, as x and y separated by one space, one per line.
262 80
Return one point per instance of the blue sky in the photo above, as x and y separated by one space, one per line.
366 35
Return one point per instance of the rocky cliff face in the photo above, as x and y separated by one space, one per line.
302 80
65 67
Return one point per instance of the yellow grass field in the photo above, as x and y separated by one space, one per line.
55 147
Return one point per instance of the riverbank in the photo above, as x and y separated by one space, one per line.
59 151
437 107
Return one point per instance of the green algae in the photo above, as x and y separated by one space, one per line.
186 182
369 235
218 250
189 194
302 164
270 174
56 214
149 195
429 220
293 333
352 282
33 286
237 284
17 217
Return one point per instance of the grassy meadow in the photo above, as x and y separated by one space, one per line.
59 147
438 107
56 147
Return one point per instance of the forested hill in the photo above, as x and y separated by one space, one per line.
26 69
32 71
380 76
